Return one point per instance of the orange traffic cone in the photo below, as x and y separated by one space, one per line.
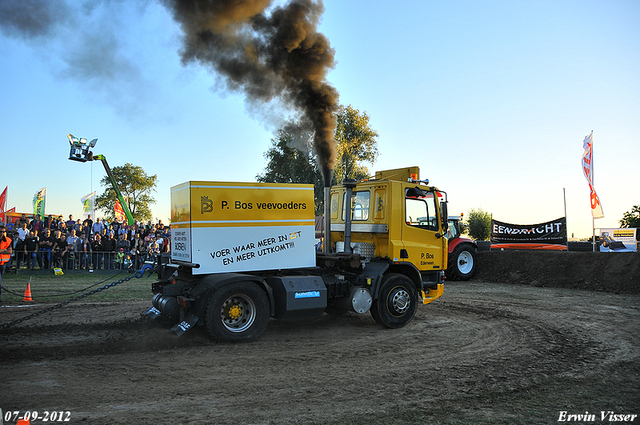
27 293
23 422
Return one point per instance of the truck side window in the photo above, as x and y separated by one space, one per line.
420 211
360 202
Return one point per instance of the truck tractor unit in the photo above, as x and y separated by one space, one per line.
463 252
243 253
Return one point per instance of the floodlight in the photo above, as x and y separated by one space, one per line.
80 148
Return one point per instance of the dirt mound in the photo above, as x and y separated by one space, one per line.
594 271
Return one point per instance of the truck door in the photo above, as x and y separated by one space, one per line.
421 245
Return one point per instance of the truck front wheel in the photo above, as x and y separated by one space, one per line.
396 304
462 262
238 312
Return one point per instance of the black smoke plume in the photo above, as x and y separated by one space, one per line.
31 18
83 37
267 53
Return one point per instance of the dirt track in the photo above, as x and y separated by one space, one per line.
483 353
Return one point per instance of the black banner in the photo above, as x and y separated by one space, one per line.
549 235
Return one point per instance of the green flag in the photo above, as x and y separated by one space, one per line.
39 200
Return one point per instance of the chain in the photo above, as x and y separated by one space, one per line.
62 304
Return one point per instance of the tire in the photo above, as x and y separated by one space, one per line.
237 312
462 262
397 302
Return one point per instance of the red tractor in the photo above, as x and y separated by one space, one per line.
463 252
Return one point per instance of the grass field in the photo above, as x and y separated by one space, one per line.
52 288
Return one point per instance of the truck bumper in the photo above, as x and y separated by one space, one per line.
432 294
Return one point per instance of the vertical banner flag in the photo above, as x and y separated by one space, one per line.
587 169
39 200
119 212
88 206
3 205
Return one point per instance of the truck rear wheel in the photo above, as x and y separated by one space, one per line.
462 263
396 304
238 312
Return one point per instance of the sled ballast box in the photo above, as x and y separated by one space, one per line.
238 227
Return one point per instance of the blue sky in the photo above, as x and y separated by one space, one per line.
491 99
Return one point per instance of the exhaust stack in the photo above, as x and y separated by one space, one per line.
326 246
349 184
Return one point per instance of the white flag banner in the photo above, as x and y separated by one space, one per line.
587 169
88 206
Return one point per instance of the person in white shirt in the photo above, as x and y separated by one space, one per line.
97 227
23 233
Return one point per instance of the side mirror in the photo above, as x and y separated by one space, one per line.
444 215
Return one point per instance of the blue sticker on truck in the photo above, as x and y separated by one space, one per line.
307 294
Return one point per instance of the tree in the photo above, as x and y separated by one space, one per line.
356 143
631 218
479 223
135 186
288 164
291 158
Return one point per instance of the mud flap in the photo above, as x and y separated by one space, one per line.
185 325
152 313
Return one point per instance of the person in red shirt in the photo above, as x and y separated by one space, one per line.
5 253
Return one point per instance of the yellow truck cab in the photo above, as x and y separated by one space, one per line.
399 218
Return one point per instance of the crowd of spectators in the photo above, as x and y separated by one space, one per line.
85 244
